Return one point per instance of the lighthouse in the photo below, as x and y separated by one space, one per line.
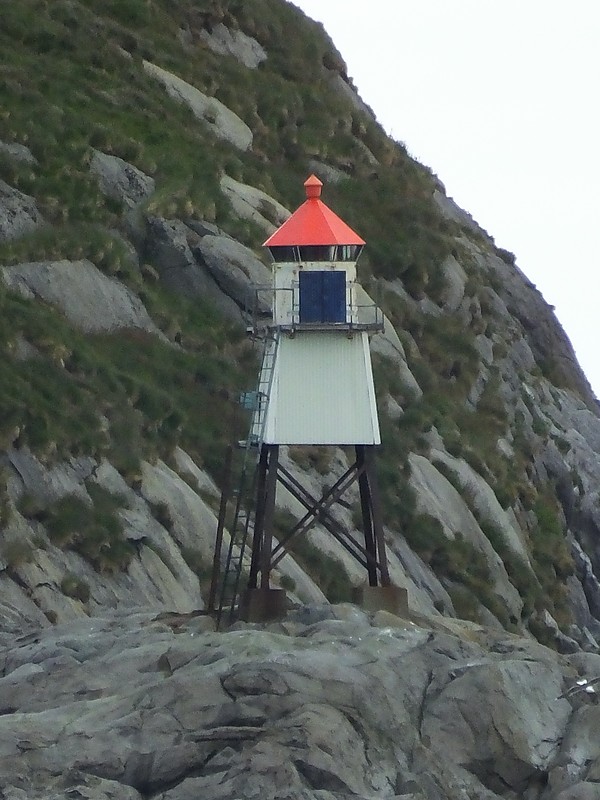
322 389
315 388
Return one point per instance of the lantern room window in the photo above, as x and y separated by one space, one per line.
296 254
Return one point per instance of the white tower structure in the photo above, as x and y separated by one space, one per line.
315 388
322 385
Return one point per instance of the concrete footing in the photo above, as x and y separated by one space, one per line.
262 605
382 598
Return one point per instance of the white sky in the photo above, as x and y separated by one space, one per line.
501 99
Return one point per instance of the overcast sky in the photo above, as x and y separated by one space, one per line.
500 98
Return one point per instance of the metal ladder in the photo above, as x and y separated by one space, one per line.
256 433
226 584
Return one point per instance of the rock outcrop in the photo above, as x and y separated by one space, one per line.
329 703
18 152
235 268
36 575
220 119
120 180
254 204
90 300
168 248
234 43
19 214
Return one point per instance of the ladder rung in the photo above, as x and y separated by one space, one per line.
242 528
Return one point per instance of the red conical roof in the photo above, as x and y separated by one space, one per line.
313 223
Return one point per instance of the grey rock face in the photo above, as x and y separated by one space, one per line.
157 577
342 87
19 214
484 501
234 267
388 344
254 204
17 609
220 119
524 699
438 498
168 248
235 43
306 709
421 579
192 523
589 583
456 279
326 172
18 152
89 299
453 212
46 484
543 332
120 180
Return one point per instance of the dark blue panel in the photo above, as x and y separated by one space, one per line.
323 296
311 296
334 297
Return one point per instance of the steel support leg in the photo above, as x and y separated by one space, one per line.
262 541
225 495
367 516
259 517
369 455
270 490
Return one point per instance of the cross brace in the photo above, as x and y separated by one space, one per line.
371 555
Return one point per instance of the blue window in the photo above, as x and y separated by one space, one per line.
323 296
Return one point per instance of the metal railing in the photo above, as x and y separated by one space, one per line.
270 308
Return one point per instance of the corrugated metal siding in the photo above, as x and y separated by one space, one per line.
322 392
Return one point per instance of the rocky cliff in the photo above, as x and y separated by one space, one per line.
146 152
328 703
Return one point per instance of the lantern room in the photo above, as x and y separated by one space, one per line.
314 257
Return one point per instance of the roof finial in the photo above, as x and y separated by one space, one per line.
313 187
